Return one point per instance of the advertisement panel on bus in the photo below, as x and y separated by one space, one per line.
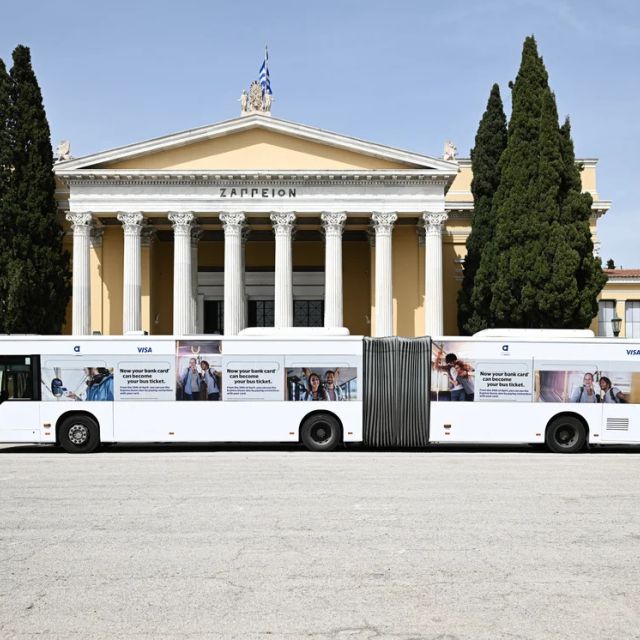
200 371
460 373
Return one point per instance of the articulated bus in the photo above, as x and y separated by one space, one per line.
566 389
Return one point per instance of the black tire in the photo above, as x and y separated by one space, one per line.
321 432
79 434
566 434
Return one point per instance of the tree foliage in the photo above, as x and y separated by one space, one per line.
35 278
5 177
490 142
538 269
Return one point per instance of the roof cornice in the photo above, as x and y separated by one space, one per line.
389 176
254 121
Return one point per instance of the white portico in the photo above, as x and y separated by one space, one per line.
237 212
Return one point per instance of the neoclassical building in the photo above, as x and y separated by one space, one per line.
258 221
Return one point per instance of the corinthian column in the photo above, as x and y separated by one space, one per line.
283 306
196 232
81 305
433 294
182 288
132 287
332 224
233 224
243 274
383 227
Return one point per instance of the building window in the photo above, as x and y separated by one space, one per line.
308 313
261 313
632 319
606 312
213 316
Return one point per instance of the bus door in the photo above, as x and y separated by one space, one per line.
19 395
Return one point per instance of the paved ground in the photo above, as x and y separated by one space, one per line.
242 543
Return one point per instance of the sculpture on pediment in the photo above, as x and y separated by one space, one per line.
255 96
63 151
255 101
450 151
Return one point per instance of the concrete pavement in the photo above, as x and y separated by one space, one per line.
265 543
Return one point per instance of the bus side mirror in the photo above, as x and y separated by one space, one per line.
4 395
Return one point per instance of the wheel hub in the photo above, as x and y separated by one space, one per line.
566 435
320 433
78 434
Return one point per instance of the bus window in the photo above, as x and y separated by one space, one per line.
16 378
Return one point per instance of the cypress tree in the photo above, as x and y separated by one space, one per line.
539 265
5 176
490 142
37 278
575 217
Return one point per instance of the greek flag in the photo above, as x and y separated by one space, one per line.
263 78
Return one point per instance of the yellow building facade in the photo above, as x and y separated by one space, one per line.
258 221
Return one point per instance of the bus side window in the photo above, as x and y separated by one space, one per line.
16 378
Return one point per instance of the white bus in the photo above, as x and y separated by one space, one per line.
567 390
83 392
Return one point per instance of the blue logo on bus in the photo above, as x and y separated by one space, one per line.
145 350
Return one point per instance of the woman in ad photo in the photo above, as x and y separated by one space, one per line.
198 370
585 392
459 375
337 384
96 385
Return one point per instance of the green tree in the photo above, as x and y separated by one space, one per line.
490 142
5 176
36 272
539 266
575 217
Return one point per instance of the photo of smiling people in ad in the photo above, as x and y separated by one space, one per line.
459 375
73 381
452 373
331 384
199 370
587 385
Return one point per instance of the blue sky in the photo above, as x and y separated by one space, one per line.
405 73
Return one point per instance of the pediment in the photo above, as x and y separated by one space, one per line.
257 142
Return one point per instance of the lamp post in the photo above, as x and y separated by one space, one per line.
616 323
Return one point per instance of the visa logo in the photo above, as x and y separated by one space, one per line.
633 352
145 350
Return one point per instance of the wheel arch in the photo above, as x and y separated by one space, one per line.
69 414
565 414
324 412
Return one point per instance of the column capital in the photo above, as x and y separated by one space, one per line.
80 222
383 223
433 222
181 222
131 222
232 223
283 223
333 223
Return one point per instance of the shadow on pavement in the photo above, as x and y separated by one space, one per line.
109 448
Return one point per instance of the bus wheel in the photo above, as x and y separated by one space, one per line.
321 432
566 434
79 434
